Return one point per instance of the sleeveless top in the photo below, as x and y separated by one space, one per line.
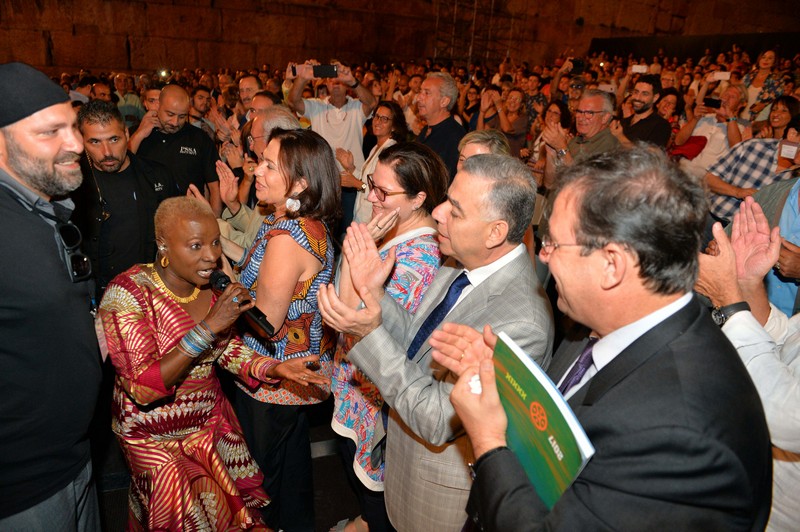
302 333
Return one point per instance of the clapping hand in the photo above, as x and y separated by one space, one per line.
789 262
459 347
756 248
228 187
367 269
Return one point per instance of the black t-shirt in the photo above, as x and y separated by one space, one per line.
652 129
117 251
443 138
189 155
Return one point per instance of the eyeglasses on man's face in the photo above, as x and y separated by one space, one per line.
549 245
587 113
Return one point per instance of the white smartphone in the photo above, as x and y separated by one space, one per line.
721 76
639 69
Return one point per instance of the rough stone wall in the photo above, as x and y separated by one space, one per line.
139 35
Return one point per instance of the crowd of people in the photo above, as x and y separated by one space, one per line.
253 221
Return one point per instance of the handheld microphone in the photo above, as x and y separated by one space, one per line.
252 316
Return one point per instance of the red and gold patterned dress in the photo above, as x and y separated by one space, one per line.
190 467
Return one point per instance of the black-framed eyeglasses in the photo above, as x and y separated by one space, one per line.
587 112
549 246
379 192
381 118
78 264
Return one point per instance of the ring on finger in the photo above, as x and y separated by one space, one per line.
235 299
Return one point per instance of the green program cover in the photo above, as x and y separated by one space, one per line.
542 429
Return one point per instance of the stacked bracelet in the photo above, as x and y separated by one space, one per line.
197 341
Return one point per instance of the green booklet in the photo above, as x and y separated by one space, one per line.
542 429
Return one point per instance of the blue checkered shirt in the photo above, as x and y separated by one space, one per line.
750 164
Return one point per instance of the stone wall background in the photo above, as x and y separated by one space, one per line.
136 35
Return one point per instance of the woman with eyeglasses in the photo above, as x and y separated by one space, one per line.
408 182
389 127
556 112
166 333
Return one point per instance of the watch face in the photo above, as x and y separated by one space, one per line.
718 316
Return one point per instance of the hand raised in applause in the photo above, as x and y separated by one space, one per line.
367 270
460 347
228 187
346 319
755 246
555 136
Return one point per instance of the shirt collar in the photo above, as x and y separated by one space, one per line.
611 345
60 209
479 275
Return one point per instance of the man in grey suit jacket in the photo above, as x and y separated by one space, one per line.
489 206
680 436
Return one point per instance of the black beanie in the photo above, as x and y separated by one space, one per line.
24 91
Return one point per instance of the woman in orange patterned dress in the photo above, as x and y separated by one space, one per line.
165 329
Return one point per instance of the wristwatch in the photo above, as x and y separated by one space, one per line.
354 85
364 188
722 314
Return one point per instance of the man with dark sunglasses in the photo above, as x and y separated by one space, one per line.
49 357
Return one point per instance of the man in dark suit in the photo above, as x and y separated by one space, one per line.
488 208
680 436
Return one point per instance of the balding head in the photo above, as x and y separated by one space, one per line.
173 108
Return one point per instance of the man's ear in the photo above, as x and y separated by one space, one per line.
618 262
498 233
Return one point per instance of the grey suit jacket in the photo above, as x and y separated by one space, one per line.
427 479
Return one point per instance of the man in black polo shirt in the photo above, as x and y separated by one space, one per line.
644 124
49 358
442 134
188 152
116 203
